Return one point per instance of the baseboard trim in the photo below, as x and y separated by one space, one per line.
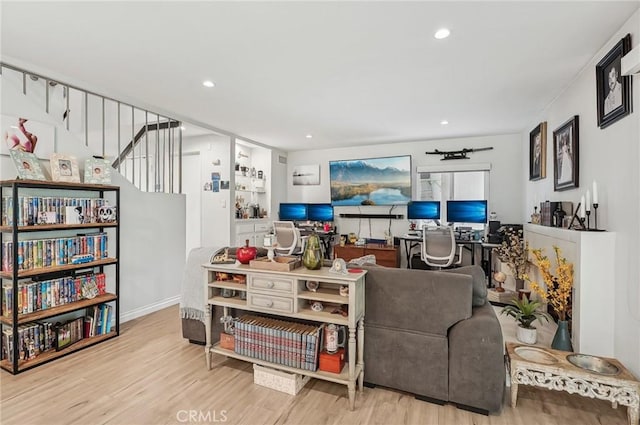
148 309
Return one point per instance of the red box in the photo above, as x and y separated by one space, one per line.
332 362
227 341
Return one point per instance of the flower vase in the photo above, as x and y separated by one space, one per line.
519 284
562 339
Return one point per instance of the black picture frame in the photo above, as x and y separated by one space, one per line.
613 90
538 152
565 156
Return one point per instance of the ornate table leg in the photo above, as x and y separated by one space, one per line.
361 353
632 414
352 367
514 393
207 327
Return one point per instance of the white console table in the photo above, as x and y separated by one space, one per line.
593 303
285 294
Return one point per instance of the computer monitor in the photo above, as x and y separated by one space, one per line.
423 210
293 212
467 211
320 212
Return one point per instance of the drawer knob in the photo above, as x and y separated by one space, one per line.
269 284
270 304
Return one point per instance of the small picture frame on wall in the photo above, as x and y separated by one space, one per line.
565 156
64 168
613 89
538 152
27 165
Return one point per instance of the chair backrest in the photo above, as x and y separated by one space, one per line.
287 236
438 246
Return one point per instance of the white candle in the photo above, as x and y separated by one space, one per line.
582 213
588 204
595 192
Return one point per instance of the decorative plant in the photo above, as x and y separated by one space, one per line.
558 287
525 312
514 252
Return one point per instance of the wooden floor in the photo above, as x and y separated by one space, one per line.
150 375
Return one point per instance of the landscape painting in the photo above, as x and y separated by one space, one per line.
374 181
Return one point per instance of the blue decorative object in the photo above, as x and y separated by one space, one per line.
562 339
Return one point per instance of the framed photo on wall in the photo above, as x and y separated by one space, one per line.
565 156
64 168
538 152
613 90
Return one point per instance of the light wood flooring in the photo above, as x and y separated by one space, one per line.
151 375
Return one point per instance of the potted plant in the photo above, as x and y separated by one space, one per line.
525 312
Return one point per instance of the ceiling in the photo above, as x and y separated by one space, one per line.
348 73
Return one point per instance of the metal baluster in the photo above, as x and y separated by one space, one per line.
164 145
119 150
46 96
103 129
157 158
24 83
133 150
146 142
180 159
86 118
67 110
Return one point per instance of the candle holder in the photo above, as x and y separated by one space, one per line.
588 220
595 217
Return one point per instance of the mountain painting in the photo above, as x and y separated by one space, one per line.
375 181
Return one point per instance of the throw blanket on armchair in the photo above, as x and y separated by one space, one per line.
192 293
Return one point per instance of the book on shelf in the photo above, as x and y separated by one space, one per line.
38 210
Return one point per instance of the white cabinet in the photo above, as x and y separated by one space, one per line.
253 230
593 258
285 294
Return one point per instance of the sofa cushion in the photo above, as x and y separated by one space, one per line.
479 283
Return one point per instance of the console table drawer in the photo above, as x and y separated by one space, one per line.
267 302
270 284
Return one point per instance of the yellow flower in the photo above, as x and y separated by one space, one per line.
558 288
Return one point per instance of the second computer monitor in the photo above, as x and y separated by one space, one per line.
423 210
320 212
474 211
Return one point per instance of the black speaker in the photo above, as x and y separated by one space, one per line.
493 227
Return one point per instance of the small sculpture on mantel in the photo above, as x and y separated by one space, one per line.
500 278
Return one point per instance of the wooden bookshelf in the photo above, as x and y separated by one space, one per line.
54 269
60 226
53 354
61 309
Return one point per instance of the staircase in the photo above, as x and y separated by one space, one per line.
144 146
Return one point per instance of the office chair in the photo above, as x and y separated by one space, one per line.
439 247
288 238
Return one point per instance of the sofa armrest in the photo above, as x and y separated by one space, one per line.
476 361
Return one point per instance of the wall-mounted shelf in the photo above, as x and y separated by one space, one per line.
387 216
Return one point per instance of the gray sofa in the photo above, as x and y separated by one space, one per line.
433 334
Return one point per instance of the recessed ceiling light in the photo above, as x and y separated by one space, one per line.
444 122
208 83
442 33
309 136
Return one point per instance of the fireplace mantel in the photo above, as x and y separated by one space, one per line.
593 258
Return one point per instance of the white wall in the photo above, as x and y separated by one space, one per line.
504 188
216 207
611 157
151 245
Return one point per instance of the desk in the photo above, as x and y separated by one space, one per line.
388 256
411 242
